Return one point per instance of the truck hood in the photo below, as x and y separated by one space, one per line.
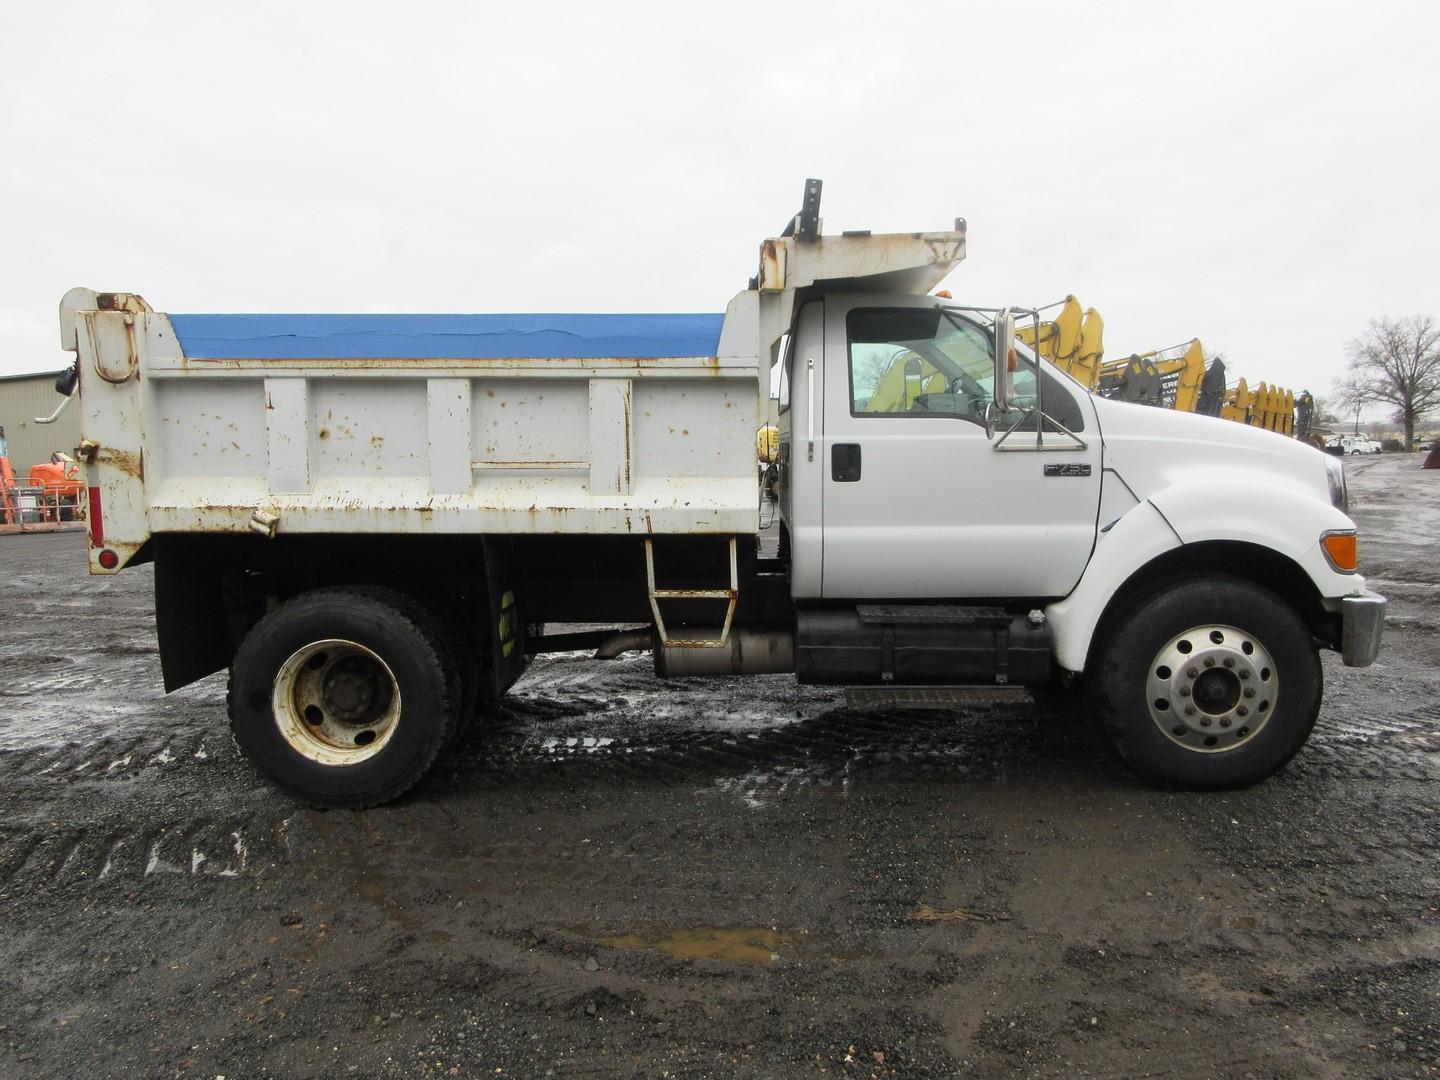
1151 449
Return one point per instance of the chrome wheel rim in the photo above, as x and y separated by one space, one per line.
1212 688
336 702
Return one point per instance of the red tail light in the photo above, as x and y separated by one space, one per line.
95 520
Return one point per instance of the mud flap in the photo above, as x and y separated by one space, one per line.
189 612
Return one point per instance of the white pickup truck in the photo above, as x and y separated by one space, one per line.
1353 445
369 518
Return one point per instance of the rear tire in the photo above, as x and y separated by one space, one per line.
1208 684
344 696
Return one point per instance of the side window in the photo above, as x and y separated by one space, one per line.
917 361
925 362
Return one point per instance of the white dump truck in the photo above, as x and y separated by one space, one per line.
370 519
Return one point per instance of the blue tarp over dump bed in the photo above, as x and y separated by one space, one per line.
437 337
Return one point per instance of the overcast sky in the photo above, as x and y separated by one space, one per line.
1263 176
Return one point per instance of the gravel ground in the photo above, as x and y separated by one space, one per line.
623 877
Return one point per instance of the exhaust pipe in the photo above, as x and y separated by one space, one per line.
625 641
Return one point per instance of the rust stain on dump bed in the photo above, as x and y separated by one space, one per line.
131 463
470 363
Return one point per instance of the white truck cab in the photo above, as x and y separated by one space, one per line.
369 519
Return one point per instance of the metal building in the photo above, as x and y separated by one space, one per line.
22 399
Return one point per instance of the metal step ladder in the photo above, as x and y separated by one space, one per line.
730 595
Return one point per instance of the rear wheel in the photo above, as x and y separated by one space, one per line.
343 696
1212 683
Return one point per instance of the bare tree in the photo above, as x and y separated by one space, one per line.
1324 412
1395 362
872 364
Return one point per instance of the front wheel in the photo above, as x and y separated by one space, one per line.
1211 683
344 697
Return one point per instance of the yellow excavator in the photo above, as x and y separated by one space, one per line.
1178 377
1074 341
901 384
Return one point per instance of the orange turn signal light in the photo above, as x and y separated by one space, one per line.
1341 549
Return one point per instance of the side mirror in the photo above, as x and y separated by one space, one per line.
1005 360
990 418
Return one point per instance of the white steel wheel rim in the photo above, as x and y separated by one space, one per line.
336 702
1212 689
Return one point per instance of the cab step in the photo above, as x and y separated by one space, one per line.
935 697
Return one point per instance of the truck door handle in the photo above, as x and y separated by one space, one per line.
845 462
810 408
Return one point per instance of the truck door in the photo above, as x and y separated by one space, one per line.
918 501
802 462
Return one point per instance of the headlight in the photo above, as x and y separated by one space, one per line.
1335 473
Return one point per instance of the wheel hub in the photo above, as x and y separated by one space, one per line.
336 702
1212 688
1217 691
350 690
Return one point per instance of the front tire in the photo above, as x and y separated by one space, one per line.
343 697
1208 684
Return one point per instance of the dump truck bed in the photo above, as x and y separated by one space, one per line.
509 423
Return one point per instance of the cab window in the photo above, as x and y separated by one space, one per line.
916 361
925 362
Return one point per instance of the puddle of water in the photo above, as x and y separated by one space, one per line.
586 744
746 944
374 888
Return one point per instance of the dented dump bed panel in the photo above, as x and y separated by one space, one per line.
415 423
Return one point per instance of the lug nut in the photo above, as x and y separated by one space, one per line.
1229 661
1225 722
1242 711
1194 673
1184 691
1209 661
1249 691
1244 673
1204 721
1189 710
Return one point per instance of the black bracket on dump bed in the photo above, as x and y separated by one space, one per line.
806 224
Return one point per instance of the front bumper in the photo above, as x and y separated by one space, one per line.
1362 622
